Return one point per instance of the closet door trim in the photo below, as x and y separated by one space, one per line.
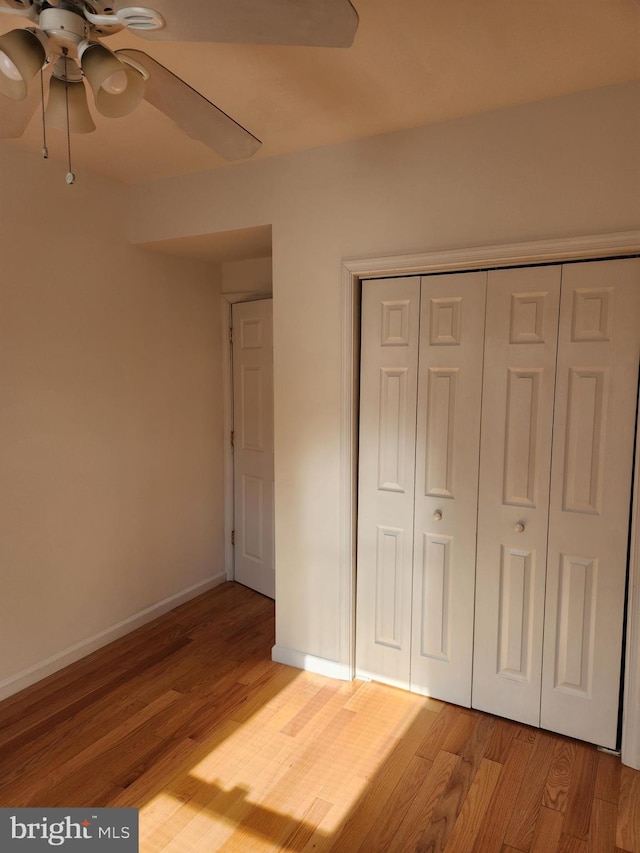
586 247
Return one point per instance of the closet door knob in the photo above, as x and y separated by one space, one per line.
437 515
519 526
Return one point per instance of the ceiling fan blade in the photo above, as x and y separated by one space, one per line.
197 116
25 8
314 23
16 115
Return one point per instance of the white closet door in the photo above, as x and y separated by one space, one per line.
517 419
446 502
599 348
390 323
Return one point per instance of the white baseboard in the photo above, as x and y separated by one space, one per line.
52 664
311 663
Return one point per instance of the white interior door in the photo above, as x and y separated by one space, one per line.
552 365
446 499
515 459
419 444
390 327
253 445
598 354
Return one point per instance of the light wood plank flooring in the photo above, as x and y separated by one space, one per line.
221 749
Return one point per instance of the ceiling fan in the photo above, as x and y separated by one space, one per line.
62 44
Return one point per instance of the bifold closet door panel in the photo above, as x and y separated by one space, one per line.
515 458
388 391
596 393
446 502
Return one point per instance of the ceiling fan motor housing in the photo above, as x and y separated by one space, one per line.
65 27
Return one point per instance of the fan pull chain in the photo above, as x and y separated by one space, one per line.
70 176
45 150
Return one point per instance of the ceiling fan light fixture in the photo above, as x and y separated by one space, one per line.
117 88
8 67
80 120
116 83
21 57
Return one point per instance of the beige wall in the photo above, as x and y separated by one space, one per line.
111 450
248 276
564 167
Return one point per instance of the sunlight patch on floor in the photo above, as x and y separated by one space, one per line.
280 772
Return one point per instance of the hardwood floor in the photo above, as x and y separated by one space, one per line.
221 749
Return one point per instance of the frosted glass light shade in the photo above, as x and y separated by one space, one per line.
80 120
117 88
21 57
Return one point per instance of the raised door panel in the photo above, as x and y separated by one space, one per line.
447 447
515 458
253 445
598 354
516 620
390 321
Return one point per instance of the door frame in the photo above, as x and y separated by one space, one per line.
228 301
588 247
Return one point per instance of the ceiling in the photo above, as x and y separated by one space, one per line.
413 62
